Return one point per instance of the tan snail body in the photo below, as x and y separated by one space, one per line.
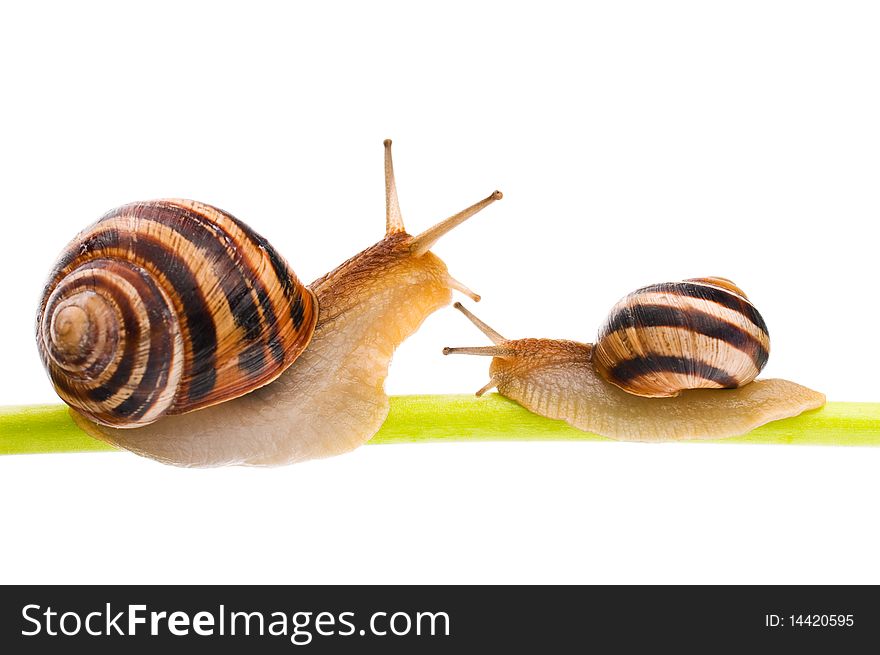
673 361
330 397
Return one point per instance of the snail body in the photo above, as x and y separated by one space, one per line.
340 334
673 361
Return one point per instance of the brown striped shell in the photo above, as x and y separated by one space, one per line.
701 333
166 307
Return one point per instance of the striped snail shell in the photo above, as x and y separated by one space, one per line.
701 333
166 307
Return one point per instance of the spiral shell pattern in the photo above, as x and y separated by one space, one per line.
701 333
165 307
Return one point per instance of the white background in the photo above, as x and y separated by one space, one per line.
634 142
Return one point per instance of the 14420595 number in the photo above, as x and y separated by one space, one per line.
821 620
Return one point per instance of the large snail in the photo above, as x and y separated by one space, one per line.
673 361
163 308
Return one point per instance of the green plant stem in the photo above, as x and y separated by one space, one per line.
424 419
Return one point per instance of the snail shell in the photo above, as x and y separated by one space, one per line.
701 333
166 307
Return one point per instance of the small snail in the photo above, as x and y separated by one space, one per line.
673 361
163 308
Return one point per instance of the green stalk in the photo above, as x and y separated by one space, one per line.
425 419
